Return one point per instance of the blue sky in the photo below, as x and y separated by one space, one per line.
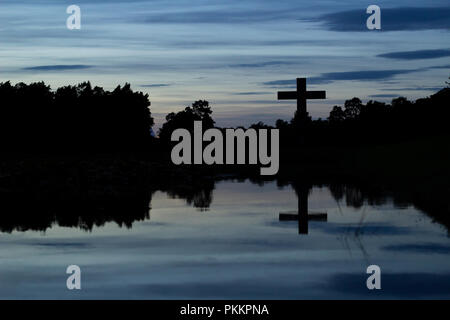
234 53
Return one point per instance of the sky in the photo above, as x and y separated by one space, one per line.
234 53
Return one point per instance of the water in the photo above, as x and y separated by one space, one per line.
235 249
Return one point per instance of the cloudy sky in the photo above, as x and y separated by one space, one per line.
234 53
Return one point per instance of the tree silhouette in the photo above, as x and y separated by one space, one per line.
352 108
33 118
375 122
199 111
337 115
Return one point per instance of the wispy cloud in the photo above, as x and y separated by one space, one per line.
413 89
383 95
447 66
290 83
364 75
392 19
155 85
427 248
417 55
397 284
252 93
58 67
261 64
218 15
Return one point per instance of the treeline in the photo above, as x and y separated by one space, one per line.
375 122
372 123
354 124
80 118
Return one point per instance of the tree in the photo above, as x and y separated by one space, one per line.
352 108
260 125
337 115
33 118
281 124
199 111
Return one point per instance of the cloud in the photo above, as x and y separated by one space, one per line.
251 93
324 78
366 75
413 89
428 248
281 83
62 244
447 66
411 285
392 19
261 64
58 67
383 95
291 83
367 229
156 85
416 55
219 15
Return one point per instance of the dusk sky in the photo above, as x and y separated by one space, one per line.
234 53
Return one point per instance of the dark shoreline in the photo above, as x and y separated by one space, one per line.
101 187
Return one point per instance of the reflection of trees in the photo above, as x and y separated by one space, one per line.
429 198
87 194
77 197
355 196
198 193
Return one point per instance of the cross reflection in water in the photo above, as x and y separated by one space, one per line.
302 215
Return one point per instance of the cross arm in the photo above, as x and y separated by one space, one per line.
315 95
287 95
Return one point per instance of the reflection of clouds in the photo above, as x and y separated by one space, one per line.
239 289
427 248
406 285
62 244
154 223
237 250
368 228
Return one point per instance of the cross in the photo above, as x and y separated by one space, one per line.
302 216
301 95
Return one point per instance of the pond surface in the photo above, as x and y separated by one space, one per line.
237 248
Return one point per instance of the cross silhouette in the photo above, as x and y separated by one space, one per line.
301 95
